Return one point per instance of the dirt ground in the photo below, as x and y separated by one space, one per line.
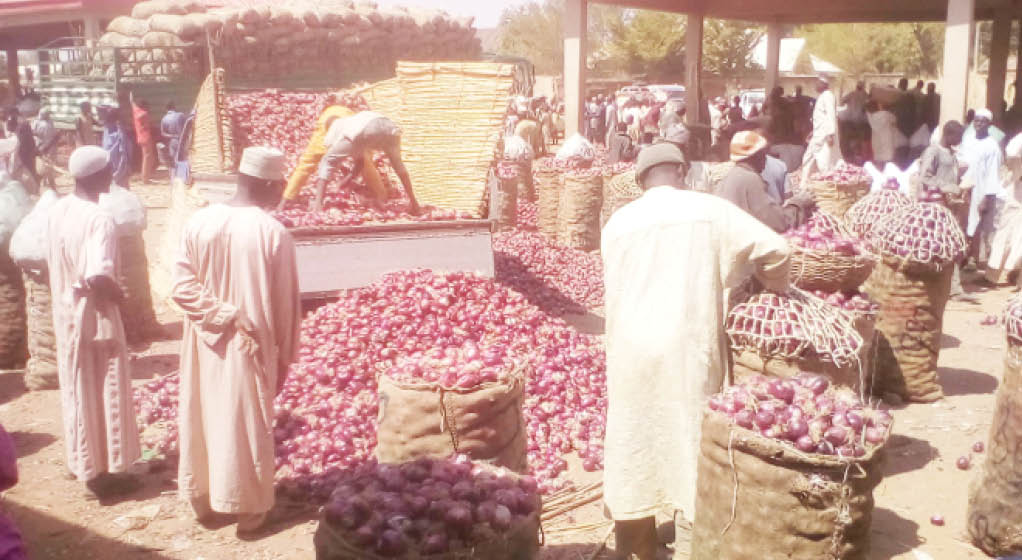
921 478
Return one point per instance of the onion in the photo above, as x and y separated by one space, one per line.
978 447
937 519
963 463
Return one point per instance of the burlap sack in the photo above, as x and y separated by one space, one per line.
140 324
526 182
995 497
519 543
504 202
130 27
427 421
757 498
12 310
857 376
178 25
909 328
41 369
548 195
578 216
618 191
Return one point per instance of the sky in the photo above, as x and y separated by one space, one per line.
486 12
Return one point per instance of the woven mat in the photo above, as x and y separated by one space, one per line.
212 144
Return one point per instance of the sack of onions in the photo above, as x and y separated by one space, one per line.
620 190
787 469
784 335
442 402
504 196
995 505
578 215
137 313
919 245
13 351
549 181
864 214
826 256
838 189
41 369
441 509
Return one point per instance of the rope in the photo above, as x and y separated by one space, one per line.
734 473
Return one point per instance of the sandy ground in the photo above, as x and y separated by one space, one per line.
921 478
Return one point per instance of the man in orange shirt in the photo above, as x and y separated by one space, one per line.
144 136
315 150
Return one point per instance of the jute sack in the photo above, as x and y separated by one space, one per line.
995 497
526 188
504 199
12 311
41 369
521 542
424 420
549 183
140 324
579 213
909 327
618 191
758 498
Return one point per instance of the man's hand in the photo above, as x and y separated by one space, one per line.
317 203
413 207
105 288
829 140
247 334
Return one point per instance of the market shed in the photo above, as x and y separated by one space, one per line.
960 15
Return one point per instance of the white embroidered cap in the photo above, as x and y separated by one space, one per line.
87 160
263 163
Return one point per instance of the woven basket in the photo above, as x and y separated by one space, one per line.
549 184
830 272
836 198
212 149
617 192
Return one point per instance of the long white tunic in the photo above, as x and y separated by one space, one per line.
670 259
100 434
984 157
234 260
820 155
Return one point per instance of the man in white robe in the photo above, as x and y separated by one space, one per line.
237 284
824 150
100 434
670 259
984 157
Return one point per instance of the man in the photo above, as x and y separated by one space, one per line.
612 118
144 136
939 170
775 173
931 105
717 123
670 259
802 106
854 115
117 145
310 159
528 130
735 114
906 111
100 435
24 161
85 126
744 185
237 283
673 114
45 134
594 120
984 157
620 147
357 137
781 126
823 151
171 126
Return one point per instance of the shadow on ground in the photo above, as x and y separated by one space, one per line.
958 382
906 454
28 443
893 535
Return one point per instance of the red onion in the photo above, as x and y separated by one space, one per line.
963 463
555 278
937 520
978 447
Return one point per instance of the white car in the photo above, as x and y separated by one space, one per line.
664 92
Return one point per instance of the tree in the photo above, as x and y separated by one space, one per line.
647 42
534 31
913 49
728 46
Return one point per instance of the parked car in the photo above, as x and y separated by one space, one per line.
665 92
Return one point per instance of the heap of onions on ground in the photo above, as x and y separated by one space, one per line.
325 414
553 277
432 506
864 214
805 412
794 325
922 233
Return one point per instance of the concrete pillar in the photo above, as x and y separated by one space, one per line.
957 58
13 79
998 65
90 23
773 59
1018 67
575 25
693 65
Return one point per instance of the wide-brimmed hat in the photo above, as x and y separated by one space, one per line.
746 144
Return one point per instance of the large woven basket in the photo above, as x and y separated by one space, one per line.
617 192
836 198
830 272
549 183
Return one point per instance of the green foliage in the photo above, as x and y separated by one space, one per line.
728 45
534 31
647 42
913 49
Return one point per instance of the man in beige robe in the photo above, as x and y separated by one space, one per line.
100 435
670 259
237 284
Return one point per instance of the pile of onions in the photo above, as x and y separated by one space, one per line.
1013 320
922 233
856 303
156 406
794 325
844 174
807 413
584 172
326 412
462 368
553 277
865 213
824 234
429 506
528 216
507 169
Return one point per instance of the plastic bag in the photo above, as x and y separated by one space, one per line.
14 205
517 149
126 208
29 245
577 147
